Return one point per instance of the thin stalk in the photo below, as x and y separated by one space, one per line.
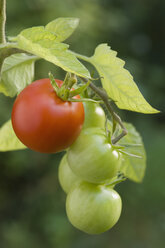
118 180
83 100
103 95
80 56
2 21
6 52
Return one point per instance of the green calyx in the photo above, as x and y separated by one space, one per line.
66 93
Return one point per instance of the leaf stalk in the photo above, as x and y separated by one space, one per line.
103 95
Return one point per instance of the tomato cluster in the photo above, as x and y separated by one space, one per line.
85 172
46 123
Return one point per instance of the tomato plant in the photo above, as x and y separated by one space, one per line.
42 121
92 157
93 208
66 177
48 117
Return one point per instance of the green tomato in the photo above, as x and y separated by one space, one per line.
93 208
66 177
94 115
92 157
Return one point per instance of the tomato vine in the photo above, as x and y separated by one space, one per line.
48 116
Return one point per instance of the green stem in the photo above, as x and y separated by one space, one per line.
117 118
8 49
83 100
2 21
6 52
69 81
118 180
103 95
83 57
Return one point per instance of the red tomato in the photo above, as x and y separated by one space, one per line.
44 122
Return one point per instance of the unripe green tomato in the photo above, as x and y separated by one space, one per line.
66 177
93 208
94 115
92 157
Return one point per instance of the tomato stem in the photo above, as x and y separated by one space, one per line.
114 125
69 81
2 21
108 133
7 50
117 181
65 92
103 95
120 179
83 100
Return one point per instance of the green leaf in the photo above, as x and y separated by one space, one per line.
132 167
44 43
118 82
62 27
8 139
17 73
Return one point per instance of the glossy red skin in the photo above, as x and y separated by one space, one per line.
42 121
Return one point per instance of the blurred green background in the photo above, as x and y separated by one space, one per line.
32 204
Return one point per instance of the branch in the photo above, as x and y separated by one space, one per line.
2 21
103 95
6 52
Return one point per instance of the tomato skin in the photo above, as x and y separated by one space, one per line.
93 208
42 121
94 115
92 158
66 177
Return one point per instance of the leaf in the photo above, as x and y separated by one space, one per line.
132 167
62 27
17 73
43 43
118 82
8 139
